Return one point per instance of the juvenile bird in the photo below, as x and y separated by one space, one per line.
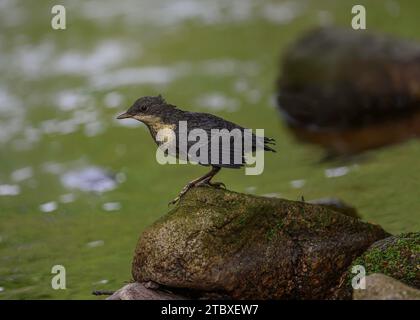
157 114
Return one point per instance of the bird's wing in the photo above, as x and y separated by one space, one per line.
227 143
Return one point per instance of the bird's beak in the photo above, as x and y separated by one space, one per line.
125 115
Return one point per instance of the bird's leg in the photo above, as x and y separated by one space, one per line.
207 181
197 182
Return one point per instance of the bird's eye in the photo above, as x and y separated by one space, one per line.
143 108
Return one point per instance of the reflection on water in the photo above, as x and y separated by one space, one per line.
297 184
104 56
9 190
110 63
11 115
113 100
89 179
96 243
336 172
340 171
111 206
103 281
22 174
48 206
67 198
217 101
170 13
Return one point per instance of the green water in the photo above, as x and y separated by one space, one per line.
61 90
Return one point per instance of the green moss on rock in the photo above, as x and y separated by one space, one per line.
247 247
396 256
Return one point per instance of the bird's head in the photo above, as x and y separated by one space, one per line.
148 109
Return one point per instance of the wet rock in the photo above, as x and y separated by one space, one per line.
221 244
382 287
337 205
396 256
350 91
141 291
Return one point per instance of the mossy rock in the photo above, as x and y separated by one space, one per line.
337 205
220 243
396 256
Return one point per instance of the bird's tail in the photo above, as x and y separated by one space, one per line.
265 143
269 141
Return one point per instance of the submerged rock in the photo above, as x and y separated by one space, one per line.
223 244
396 256
141 291
350 91
382 287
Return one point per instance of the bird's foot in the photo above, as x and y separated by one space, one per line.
219 185
193 184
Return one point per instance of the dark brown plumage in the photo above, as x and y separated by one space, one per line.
156 114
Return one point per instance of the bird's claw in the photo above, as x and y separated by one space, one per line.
174 201
219 185
182 193
193 184
211 184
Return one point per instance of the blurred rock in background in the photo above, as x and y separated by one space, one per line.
350 91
